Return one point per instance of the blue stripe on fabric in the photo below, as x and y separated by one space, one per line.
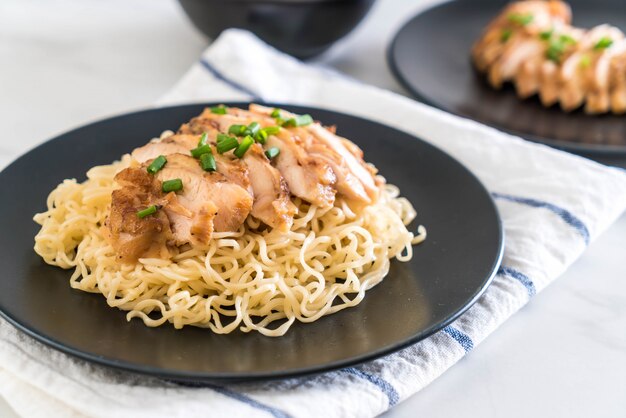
564 214
206 64
460 337
275 412
383 385
519 276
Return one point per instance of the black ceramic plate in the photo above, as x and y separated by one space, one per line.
446 275
430 56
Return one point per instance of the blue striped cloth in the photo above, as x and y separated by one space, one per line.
552 204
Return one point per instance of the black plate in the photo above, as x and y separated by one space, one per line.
446 275
430 56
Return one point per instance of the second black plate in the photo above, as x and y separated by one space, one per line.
430 56
446 275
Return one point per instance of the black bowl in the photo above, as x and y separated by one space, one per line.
302 28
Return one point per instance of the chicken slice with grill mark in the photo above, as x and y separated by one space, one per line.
516 52
308 178
130 236
214 202
354 177
272 204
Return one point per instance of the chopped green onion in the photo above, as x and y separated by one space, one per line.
253 128
219 110
158 163
585 61
300 120
221 137
554 52
207 161
506 35
521 19
150 210
557 47
272 130
261 136
203 139
226 144
272 152
238 130
173 185
202 149
603 43
545 35
243 146
275 113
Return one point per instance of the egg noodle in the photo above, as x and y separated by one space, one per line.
255 279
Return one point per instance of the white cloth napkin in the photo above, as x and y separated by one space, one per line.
552 205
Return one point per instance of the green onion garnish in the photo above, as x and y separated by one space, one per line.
173 185
521 19
202 149
253 128
272 152
150 210
506 35
300 120
545 35
554 52
226 144
272 130
261 136
275 113
221 137
243 146
556 47
203 139
603 43
158 163
219 110
238 130
207 161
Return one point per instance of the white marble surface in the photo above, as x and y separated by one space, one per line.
65 63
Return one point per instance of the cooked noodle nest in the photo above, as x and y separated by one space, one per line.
255 279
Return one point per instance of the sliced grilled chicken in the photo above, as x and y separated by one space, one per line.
354 179
313 163
598 97
532 44
272 204
208 202
516 52
232 168
517 22
307 177
130 236
204 195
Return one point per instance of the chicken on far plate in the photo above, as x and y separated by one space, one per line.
533 45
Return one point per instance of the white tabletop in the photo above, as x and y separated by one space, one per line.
65 63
